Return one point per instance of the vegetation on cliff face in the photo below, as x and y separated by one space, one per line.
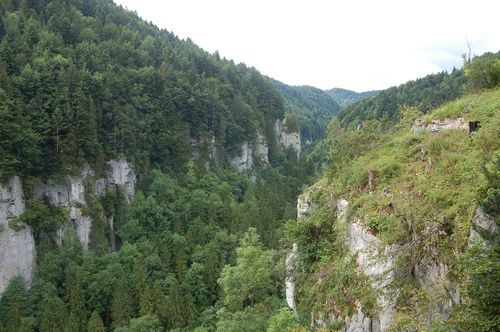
418 192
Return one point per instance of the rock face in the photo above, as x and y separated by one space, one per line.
262 150
287 139
304 208
244 161
70 195
17 247
439 125
373 260
481 223
121 174
289 280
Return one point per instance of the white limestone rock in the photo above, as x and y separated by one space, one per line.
304 205
287 139
243 161
17 248
290 265
70 195
484 223
262 150
440 125
121 174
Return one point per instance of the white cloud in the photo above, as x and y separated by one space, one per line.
359 45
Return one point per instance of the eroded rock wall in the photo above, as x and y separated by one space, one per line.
287 139
248 152
440 125
17 246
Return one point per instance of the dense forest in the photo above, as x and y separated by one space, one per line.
346 97
313 108
84 81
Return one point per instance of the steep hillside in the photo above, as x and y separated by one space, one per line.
312 106
83 82
345 97
136 172
402 231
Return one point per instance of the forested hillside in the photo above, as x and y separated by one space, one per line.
346 97
312 106
402 230
120 209
84 81
425 93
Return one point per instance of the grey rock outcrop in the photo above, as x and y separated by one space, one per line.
122 175
440 125
17 247
290 264
374 260
71 195
287 139
481 223
244 160
262 150
304 208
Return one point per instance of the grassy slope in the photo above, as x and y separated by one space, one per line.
427 176
428 186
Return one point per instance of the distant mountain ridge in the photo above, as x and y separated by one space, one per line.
345 97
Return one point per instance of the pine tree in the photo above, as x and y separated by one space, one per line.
122 305
13 305
95 323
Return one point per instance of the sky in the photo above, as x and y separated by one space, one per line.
352 44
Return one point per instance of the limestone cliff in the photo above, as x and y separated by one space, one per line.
248 152
287 138
17 246
376 260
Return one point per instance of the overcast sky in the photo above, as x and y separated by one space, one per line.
353 44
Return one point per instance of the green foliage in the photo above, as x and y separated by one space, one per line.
142 324
86 81
13 305
483 71
291 123
425 93
43 218
95 323
250 281
285 320
408 115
